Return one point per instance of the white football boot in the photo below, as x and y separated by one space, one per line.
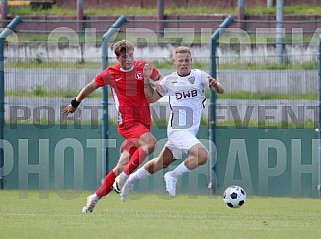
90 204
119 183
170 184
125 190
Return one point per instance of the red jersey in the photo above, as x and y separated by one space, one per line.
128 93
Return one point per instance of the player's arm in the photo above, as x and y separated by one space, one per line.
158 77
215 85
151 93
150 71
87 90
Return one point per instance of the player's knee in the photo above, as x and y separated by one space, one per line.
202 156
165 164
151 145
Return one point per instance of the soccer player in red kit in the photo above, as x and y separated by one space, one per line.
126 80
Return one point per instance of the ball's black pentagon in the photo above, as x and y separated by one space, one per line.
241 202
233 195
229 204
242 191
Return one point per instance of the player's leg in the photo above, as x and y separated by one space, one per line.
164 159
129 147
147 144
106 187
197 155
107 184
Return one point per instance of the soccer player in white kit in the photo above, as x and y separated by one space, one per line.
186 91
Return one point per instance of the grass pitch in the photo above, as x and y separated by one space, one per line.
57 214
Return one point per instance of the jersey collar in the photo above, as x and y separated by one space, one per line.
127 70
183 75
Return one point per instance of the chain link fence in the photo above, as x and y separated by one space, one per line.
45 69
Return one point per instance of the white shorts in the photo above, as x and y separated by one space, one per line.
180 142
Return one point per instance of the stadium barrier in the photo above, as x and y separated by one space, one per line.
266 139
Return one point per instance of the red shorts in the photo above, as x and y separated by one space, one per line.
132 135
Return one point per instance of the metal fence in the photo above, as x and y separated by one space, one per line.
45 69
47 66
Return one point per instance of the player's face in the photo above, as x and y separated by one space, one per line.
126 60
183 63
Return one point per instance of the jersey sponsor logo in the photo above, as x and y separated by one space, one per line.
139 76
118 79
191 79
186 94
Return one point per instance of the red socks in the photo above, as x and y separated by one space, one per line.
107 186
137 158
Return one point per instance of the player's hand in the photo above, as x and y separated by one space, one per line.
68 110
214 85
147 71
212 81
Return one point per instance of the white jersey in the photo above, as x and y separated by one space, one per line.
186 99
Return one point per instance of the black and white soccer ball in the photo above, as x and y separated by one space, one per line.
234 196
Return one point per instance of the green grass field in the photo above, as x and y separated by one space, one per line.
43 214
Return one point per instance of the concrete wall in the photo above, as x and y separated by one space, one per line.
227 53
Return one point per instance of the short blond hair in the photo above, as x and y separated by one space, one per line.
123 47
182 49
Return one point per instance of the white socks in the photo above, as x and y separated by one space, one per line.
141 173
179 170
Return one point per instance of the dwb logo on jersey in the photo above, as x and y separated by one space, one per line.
186 94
